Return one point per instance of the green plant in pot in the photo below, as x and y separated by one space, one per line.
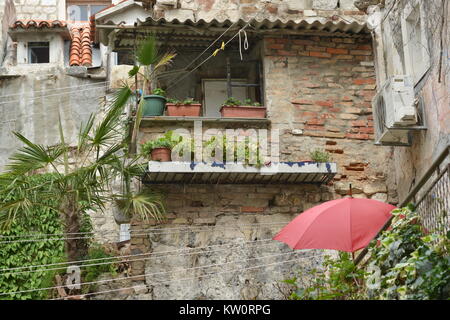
159 149
155 103
183 108
234 108
149 63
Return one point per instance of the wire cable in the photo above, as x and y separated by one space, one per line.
60 88
140 259
152 274
191 278
30 235
133 255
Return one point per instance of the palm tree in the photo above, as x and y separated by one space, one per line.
84 175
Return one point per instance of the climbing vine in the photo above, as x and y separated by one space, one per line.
18 251
406 262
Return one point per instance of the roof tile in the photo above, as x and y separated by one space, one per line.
80 48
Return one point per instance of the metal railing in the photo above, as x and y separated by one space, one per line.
432 203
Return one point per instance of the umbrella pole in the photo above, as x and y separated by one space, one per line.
353 256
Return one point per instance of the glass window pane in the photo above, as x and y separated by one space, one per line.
97 8
77 12
39 52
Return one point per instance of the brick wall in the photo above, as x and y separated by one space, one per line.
318 92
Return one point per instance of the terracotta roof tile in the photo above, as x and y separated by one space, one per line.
38 24
80 48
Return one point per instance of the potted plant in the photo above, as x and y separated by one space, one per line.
234 108
186 108
154 104
159 149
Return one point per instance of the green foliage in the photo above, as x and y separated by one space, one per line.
249 102
406 264
159 92
235 102
166 141
246 151
320 156
187 101
341 283
232 102
92 273
41 221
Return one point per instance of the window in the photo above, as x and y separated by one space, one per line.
38 52
82 10
415 44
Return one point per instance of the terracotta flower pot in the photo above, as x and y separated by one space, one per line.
184 110
161 154
243 112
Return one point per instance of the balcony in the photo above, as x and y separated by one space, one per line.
238 173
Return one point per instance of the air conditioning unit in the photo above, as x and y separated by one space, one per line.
394 111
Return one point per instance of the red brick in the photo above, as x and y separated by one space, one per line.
252 209
364 81
337 51
366 130
319 122
339 151
276 46
317 128
319 54
330 143
364 47
327 103
282 40
286 53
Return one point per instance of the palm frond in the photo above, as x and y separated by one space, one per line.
165 60
83 135
32 156
121 97
147 204
147 52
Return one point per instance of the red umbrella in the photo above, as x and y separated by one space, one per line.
347 224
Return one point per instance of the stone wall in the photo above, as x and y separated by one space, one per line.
37 9
272 9
225 225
